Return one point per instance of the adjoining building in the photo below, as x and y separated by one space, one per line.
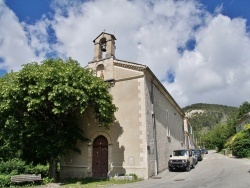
149 123
189 135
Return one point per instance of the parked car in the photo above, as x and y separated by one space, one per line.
181 159
204 151
195 158
198 154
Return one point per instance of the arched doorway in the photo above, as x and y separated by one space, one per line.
100 157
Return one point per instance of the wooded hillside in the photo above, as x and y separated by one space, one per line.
204 117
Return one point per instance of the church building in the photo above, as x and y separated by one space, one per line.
149 123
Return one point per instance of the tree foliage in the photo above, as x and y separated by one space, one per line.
244 108
204 120
220 134
217 137
241 142
207 116
39 107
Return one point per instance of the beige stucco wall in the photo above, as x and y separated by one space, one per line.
126 97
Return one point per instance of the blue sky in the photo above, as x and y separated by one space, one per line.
231 8
30 11
199 49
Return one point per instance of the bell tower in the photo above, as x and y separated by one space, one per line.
104 46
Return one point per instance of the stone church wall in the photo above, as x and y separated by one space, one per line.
169 129
149 127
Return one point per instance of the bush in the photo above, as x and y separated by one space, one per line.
4 180
16 166
38 169
241 143
242 147
12 167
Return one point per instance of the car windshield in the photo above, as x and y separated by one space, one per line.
180 153
197 151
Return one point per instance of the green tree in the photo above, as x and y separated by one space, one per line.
231 125
241 142
243 109
40 105
217 137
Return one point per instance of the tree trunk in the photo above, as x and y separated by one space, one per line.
53 168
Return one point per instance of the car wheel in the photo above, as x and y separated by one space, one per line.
188 168
193 166
170 169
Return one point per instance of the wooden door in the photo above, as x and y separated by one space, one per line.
100 157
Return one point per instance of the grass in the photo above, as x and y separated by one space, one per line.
93 183
87 183
79 183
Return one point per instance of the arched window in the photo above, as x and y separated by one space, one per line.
100 71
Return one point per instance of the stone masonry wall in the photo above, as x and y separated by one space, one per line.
169 129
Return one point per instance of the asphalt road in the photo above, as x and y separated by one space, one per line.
215 171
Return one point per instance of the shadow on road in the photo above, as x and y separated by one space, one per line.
180 170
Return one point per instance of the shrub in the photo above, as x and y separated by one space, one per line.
16 166
13 167
4 180
241 143
38 169
242 147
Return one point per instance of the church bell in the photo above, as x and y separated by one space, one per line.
103 46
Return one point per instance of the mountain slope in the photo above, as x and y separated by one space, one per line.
205 116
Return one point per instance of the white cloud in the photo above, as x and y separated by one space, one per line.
14 44
218 9
37 37
217 70
147 32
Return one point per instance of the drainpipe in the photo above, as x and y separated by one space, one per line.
154 128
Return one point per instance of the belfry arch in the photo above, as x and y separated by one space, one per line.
104 43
